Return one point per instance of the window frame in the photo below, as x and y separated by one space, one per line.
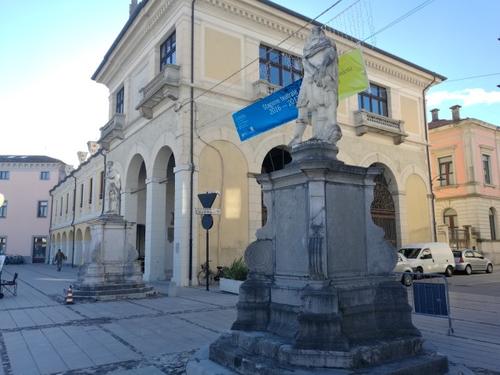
446 177
267 63
120 100
45 175
3 210
101 185
42 210
168 50
81 195
372 98
486 164
4 175
91 186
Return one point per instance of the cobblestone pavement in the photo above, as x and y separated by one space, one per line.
40 335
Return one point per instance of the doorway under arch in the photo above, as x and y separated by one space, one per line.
383 209
277 158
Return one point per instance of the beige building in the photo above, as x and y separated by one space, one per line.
466 173
77 200
25 181
175 75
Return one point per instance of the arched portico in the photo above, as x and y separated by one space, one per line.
78 248
134 205
159 217
384 208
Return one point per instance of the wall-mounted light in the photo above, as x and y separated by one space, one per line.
2 199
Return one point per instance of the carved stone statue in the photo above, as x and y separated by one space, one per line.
113 188
318 98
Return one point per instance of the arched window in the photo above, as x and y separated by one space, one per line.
493 223
450 218
383 210
274 160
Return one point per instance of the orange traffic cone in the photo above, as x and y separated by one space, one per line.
69 296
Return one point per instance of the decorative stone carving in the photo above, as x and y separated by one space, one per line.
113 189
318 97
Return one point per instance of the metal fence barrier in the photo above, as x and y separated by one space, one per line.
428 295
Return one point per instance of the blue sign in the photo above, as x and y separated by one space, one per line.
430 299
268 113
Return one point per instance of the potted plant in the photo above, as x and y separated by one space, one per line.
234 275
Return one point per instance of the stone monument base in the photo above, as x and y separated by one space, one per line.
242 362
111 270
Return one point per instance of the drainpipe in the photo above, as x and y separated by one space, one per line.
191 150
50 226
73 225
434 233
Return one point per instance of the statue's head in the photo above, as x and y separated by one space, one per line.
109 165
317 30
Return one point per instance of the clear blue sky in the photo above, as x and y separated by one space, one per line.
49 49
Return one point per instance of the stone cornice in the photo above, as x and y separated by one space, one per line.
36 166
267 21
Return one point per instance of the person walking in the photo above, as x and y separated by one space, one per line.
59 258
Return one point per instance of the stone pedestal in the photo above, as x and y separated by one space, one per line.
111 269
320 292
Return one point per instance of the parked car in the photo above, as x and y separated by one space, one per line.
430 257
469 261
404 268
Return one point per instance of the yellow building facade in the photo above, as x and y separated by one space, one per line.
177 72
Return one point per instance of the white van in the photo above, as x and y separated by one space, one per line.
430 257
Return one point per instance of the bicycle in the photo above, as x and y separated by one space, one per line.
212 277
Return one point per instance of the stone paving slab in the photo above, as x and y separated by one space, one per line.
158 335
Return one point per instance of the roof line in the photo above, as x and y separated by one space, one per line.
72 173
281 8
122 33
351 38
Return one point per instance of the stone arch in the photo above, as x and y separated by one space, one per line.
388 164
159 242
263 148
224 168
276 158
385 208
418 223
134 202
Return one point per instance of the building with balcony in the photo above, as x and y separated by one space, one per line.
466 181
176 73
25 181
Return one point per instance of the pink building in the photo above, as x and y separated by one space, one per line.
465 155
25 182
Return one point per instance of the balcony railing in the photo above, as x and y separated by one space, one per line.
112 130
262 88
164 85
370 122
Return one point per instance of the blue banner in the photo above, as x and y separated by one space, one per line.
268 113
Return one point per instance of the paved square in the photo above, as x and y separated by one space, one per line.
39 335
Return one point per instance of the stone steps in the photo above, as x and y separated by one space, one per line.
112 292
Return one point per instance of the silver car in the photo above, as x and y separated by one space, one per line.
469 261
405 269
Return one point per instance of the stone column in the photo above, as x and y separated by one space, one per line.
182 224
156 227
254 206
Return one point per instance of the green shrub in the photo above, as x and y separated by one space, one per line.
237 270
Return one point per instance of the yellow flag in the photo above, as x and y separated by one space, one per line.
352 74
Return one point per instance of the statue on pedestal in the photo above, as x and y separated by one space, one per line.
113 188
318 98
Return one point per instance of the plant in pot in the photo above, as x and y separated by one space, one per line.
234 275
